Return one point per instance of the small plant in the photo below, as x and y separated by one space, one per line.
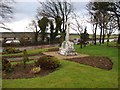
6 65
25 57
48 62
35 70
10 50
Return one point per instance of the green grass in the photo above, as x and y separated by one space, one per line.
112 44
29 62
90 36
103 50
74 75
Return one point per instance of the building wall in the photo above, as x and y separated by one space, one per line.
18 35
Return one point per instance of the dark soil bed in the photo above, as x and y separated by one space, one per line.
19 72
99 62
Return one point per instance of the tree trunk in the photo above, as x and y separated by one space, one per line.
84 44
63 31
100 35
95 34
43 35
118 39
80 45
108 39
36 37
103 36
81 41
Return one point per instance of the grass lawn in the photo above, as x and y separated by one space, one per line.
90 36
75 75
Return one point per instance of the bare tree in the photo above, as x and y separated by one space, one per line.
6 11
34 27
93 19
115 9
94 22
101 16
80 27
56 8
111 28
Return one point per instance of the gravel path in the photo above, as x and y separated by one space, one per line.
56 54
28 48
20 58
35 47
31 47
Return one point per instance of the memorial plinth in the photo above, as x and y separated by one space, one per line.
67 47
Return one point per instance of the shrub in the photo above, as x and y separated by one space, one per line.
48 62
9 50
6 65
25 57
35 70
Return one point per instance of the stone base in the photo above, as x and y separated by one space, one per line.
67 49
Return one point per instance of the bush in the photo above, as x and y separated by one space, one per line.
6 65
35 70
25 57
9 50
48 62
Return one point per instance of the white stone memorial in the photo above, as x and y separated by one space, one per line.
67 47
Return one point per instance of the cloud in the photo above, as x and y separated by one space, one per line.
27 0
80 0
19 26
26 11
45 0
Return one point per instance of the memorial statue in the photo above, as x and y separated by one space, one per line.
67 47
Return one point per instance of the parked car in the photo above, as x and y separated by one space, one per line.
76 41
12 42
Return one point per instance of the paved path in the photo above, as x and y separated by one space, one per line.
31 47
36 47
20 58
56 54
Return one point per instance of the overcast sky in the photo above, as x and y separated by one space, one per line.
25 11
